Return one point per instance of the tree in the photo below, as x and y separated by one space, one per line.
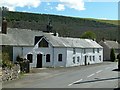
112 55
89 35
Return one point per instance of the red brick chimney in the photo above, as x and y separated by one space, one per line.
4 25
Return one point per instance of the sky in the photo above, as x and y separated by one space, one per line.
99 9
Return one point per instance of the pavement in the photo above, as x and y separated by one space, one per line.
101 75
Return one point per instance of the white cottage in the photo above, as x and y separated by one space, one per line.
46 50
53 51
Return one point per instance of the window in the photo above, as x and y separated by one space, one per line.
78 59
73 59
90 58
29 57
98 50
43 43
48 58
100 58
74 52
93 58
60 57
84 51
37 38
93 50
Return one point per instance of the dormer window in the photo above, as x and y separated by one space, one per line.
43 43
37 38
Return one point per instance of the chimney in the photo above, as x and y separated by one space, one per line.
103 39
4 25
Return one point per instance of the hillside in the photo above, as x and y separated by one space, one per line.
115 22
65 26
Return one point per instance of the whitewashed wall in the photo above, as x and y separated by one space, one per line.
89 52
67 55
44 52
17 51
23 51
70 56
56 52
80 53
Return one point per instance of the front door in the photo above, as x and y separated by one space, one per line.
39 60
85 60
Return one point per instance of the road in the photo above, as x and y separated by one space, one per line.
92 76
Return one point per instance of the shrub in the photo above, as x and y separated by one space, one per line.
6 61
18 59
112 55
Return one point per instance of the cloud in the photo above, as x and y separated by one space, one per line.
75 4
48 3
12 4
101 0
103 18
60 7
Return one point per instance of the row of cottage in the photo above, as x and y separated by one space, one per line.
47 50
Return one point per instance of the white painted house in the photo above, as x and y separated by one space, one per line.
46 50
53 51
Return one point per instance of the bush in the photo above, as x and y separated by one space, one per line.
6 61
18 59
24 64
112 55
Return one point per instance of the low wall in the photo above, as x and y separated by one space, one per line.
10 74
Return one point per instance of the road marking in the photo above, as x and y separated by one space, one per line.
75 82
99 71
91 75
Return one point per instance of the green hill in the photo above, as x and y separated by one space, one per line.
65 26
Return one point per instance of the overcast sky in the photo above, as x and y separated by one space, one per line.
101 9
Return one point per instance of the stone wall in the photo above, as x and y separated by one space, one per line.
10 74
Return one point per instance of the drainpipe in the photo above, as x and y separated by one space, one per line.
81 56
53 58
66 58
22 51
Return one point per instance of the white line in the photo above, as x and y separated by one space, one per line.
75 82
78 81
91 75
70 84
99 71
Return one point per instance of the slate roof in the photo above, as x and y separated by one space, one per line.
19 37
112 44
7 40
71 42
25 37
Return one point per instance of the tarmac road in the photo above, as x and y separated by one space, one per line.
92 76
